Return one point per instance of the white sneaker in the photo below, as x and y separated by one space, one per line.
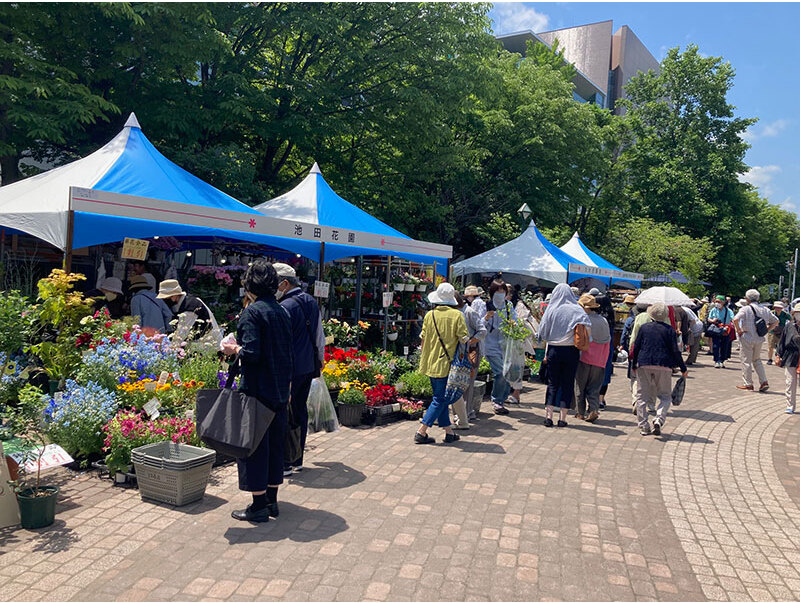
717 365
789 410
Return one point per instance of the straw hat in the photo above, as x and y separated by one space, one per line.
471 290
445 295
796 309
168 288
629 299
138 282
112 284
779 305
588 301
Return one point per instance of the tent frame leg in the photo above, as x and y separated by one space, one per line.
70 232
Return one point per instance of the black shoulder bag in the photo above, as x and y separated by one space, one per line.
760 323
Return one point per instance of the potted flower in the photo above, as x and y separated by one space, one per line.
37 503
399 282
351 405
411 283
411 408
423 285
392 332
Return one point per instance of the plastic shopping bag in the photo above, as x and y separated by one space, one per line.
513 360
321 412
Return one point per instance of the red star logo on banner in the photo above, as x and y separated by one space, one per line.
252 222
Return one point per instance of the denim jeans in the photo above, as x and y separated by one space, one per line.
500 388
439 409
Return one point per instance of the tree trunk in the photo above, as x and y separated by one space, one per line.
9 169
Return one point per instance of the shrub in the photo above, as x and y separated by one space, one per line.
130 429
17 316
75 420
352 396
416 384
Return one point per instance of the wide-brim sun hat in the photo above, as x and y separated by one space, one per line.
444 295
169 288
796 309
138 282
112 284
481 291
741 303
629 299
658 312
471 290
588 301
778 304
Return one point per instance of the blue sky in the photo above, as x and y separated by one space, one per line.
759 40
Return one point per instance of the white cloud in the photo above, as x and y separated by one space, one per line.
767 130
761 177
788 204
510 17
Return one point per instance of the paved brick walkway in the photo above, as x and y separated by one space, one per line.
515 511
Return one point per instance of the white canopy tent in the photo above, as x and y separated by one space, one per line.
530 255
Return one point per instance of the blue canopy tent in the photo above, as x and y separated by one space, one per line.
314 201
128 189
578 250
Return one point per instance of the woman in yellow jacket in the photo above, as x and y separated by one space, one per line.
443 329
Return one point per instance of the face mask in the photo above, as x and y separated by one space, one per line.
498 299
719 304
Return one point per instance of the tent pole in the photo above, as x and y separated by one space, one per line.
321 269
359 285
386 310
68 250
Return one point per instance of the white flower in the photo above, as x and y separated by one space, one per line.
86 319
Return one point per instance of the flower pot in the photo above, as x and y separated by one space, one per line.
392 336
399 286
37 511
350 414
410 286
334 394
422 288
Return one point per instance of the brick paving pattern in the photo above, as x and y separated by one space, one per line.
514 511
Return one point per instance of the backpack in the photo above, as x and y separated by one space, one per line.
761 324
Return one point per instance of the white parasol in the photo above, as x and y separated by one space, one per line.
669 296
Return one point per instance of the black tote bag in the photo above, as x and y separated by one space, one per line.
231 422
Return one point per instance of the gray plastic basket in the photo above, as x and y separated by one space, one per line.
176 474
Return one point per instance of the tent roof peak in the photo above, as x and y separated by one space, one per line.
315 169
132 121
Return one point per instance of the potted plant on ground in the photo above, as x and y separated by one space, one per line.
37 503
351 405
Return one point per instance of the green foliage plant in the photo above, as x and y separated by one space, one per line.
26 421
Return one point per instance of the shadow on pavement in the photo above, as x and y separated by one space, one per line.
209 502
295 523
491 427
689 438
466 446
328 476
700 415
54 538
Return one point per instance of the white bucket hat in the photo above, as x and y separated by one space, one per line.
168 288
112 284
741 303
445 295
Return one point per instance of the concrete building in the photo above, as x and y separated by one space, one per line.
605 60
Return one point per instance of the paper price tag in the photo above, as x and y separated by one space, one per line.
322 289
405 350
162 378
388 298
151 408
134 249
150 386
53 456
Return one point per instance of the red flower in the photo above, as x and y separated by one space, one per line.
108 324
